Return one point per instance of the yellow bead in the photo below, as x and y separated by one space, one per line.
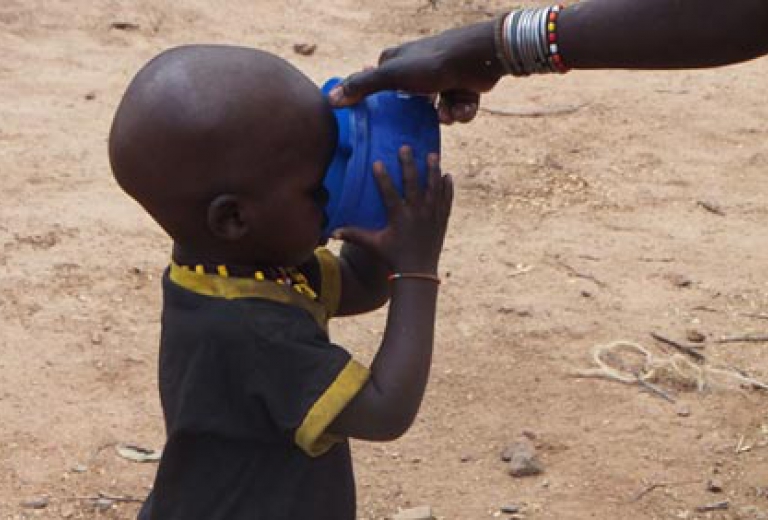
551 27
260 276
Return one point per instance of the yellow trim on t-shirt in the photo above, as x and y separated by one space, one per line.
330 280
231 288
311 435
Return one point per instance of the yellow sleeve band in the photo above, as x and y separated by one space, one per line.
311 435
330 280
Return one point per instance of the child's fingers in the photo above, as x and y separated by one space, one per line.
447 196
410 175
433 178
389 193
357 236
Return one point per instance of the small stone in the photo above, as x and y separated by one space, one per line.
415 513
586 294
79 468
466 458
683 410
510 509
680 280
522 459
90 96
694 336
36 503
715 486
97 338
305 49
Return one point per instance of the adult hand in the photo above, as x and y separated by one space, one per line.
458 64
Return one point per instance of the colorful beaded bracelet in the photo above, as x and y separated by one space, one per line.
527 42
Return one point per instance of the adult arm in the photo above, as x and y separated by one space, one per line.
595 34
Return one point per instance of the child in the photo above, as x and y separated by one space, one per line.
226 148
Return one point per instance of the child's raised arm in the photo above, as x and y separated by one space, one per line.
364 285
410 247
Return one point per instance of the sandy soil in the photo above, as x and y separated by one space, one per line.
570 231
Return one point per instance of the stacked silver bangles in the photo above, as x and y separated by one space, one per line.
527 42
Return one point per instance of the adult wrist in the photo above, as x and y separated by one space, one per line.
527 41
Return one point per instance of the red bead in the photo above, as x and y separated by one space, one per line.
552 38
552 17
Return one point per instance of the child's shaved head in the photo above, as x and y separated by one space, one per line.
225 147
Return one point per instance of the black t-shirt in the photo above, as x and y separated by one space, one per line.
249 381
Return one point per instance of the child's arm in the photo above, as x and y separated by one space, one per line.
364 285
387 405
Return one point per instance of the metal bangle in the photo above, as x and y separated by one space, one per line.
498 39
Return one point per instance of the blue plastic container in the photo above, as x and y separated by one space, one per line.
374 130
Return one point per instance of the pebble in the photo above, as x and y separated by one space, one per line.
510 509
695 336
683 410
305 49
415 513
715 486
522 459
680 280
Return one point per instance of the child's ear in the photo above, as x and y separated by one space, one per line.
225 219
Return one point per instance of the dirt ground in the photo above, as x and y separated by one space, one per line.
569 231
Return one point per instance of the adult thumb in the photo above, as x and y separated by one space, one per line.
357 86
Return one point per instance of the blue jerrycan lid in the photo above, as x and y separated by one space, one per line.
374 130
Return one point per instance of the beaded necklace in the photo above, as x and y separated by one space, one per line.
285 276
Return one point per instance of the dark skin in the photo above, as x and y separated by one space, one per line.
227 148
461 63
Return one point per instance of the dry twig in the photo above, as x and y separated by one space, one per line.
534 112
717 506
651 487
698 356
757 316
577 274
743 339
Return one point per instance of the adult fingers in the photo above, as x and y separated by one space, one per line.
359 85
458 106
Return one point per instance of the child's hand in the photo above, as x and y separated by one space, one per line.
413 239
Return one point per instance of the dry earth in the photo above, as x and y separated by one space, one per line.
570 231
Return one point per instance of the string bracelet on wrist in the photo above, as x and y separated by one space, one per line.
414 276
